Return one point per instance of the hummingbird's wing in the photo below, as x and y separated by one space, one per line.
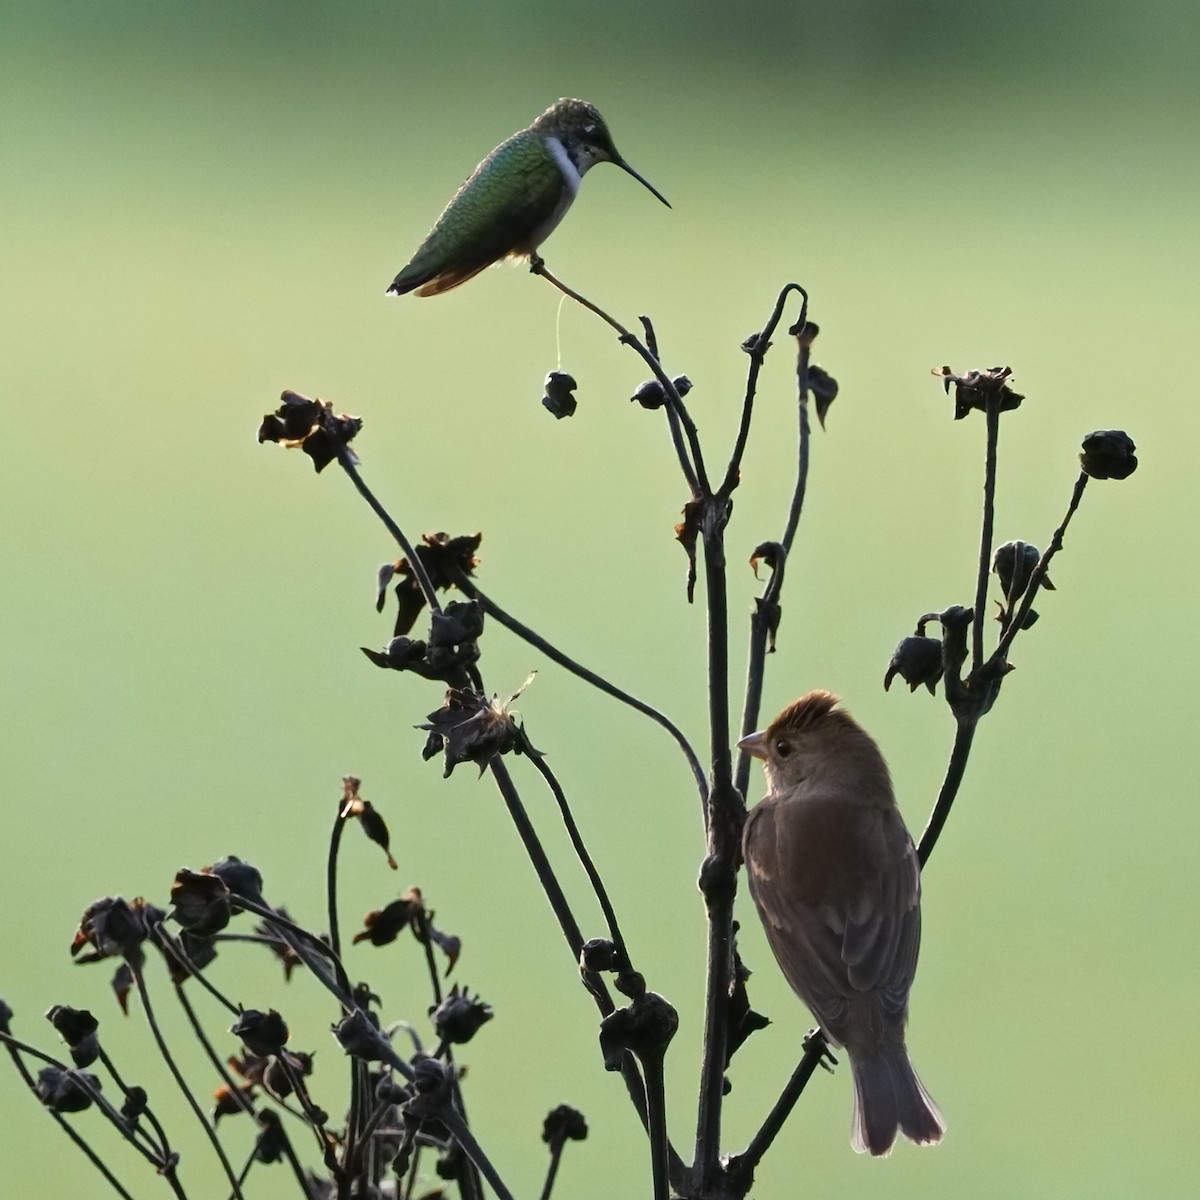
499 211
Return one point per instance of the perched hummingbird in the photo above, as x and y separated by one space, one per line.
514 199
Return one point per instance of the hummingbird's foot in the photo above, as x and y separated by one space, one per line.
536 263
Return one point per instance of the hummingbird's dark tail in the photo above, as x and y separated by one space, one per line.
888 1097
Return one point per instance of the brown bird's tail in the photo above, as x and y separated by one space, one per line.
888 1097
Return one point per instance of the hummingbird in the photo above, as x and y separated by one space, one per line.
514 199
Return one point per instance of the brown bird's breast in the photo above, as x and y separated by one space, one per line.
829 853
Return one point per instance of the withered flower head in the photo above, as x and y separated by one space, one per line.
564 1124
226 1102
283 1068
824 390
452 645
557 398
644 1026
443 557
200 951
239 877
312 425
384 925
373 825
115 928
135 1104
201 902
650 395
598 954
280 948
261 1033
359 1035
1013 564
65 1091
459 1017
917 660
473 728
80 1030
979 389
1108 454
272 1143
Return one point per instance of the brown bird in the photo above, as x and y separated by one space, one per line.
835 877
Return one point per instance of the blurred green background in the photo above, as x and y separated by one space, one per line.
203 204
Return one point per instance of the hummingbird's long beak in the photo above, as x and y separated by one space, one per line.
754 744
644 182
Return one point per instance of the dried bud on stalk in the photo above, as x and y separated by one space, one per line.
80 1030
917 660
66 1091
459 1017
557 398
261 1033
1108 454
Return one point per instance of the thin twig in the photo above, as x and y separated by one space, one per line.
765 611
757 349
335 842
469 588
656 1105
170 947
348 464
986 533
760 633
15 1047
304 943
1038 576
964 734
805 437
585 858
743 1165
139 979
556 1151
692 464
473 1150
541 866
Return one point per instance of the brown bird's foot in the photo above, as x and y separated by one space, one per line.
816 1043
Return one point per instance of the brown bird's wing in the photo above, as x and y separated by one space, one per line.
838 891
881 925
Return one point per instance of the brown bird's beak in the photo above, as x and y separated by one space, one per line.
754 744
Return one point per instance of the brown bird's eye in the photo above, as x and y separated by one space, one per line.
782 748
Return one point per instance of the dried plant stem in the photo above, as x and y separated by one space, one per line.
816 1050
718 875
585 859
335 842
963 736
757 348
1037 577
986 534
656 1105
139 980
348 464
691 463
556 1152
16 1048
472 1149
469 588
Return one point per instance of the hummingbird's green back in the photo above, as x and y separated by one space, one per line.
497 212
